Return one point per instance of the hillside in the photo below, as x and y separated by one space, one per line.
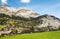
24 20
45 35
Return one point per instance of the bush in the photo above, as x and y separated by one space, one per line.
43 29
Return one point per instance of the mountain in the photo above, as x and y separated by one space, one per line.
49 21
26 20
5 10
21 12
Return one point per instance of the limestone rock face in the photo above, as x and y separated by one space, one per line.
26 13
44 20
21 12
49 20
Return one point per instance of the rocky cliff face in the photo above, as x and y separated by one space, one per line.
27 13
17 17
21 12
49 21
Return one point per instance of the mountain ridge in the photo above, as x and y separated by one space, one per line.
24 12
27 21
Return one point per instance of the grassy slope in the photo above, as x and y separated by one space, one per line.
45 35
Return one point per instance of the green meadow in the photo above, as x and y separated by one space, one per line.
43 35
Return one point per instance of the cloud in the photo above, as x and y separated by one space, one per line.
25 1
4 1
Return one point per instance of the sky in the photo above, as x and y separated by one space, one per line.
51 7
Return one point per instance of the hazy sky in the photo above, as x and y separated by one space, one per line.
40 6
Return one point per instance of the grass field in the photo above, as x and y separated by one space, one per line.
44 35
